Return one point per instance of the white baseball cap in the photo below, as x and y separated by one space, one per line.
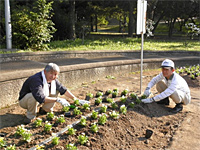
167 63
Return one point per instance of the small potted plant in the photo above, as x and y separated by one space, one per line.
124 92
109 100
98 101
89 96
114 94
123 99
123 109
133 96
114 105
108 92
99 94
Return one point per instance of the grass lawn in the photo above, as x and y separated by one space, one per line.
124 43
107 39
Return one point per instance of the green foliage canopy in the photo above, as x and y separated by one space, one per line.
33 29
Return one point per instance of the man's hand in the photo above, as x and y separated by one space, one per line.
147 92
148 100
82 102
63 101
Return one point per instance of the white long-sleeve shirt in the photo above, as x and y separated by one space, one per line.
175 83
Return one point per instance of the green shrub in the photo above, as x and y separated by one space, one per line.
33 29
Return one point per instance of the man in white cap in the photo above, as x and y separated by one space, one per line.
169 84
43 88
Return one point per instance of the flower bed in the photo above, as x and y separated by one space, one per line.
126 120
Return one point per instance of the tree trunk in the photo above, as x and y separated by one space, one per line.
91 24
156 24
96 22
171 26
72 34
130 24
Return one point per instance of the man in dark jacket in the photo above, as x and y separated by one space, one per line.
43 88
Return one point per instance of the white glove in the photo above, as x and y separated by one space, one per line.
148 100
147 92
82 102
63 101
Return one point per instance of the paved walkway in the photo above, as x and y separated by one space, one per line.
12 69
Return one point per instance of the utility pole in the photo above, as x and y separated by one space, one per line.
8 25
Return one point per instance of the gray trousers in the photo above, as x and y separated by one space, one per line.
178 96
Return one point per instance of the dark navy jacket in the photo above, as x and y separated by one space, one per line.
34 85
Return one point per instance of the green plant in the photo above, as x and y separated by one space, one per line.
98 100
94 127
123 109
102 119
114 94
38 122
124 92
193 77
26 136
71 147
90 95
76 102
108 92
114 114
20 130
86 106
94 114
2 142
24 133
138 101
115 90
143 97
109 100
114 105
50 116
65 108
47 126
133 96
33 27
60 119
55 140
83 121
123 99
99 94
82 139
103 108
71 130
76 111
11 147
132 105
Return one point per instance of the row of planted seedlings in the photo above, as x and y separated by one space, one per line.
192 71
105 106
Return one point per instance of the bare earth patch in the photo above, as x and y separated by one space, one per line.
170 131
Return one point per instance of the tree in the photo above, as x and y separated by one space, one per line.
72 31
33 28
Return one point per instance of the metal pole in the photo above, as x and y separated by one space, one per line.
142 41
8 25
141 60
